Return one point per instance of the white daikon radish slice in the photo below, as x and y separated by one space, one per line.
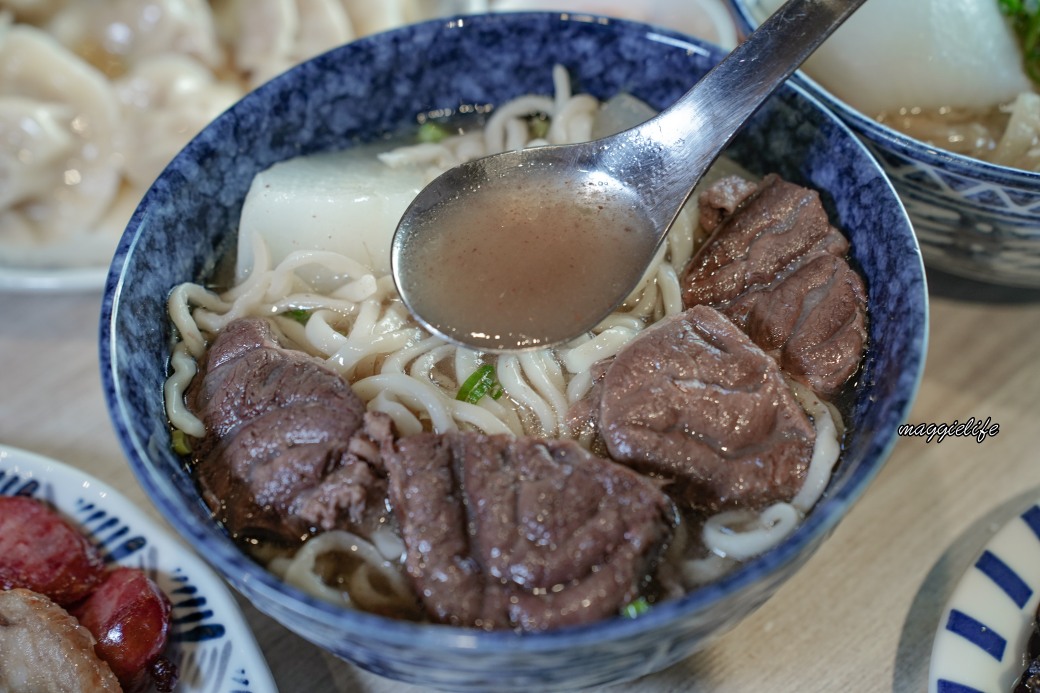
347 202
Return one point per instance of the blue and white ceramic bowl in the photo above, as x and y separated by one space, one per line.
378 85
210 641
973 219
981 641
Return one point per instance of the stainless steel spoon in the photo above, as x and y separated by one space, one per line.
535 247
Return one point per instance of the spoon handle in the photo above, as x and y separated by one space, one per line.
696 129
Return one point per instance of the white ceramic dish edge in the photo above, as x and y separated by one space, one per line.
984 628
211 643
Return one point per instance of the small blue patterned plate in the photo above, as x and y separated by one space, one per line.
210 641
983 633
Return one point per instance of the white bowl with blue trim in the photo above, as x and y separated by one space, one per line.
379 85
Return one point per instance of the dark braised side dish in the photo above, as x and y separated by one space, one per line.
68 621
1029 682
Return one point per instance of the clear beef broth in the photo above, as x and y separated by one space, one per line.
968 132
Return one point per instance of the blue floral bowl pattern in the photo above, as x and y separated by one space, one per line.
972 218
379 85
210 642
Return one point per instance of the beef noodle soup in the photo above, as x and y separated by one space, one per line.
374 465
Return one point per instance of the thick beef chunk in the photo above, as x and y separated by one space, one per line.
769 230
288 446
693 400
813 322
522 533
777 268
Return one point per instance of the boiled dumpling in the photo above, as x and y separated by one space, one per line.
33 10
37 140
166 100
263 33
116 34
323 25
706 19
369 17
58 172
270 36
926 54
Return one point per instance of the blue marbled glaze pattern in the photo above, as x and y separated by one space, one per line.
378 85
972 218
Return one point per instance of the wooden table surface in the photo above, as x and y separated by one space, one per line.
861 614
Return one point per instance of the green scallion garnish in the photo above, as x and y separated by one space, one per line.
300 315
179 442
538 126
481 383
431 132
636 608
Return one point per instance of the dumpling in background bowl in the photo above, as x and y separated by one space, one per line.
939 93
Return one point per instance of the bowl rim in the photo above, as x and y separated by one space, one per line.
250 578
904 144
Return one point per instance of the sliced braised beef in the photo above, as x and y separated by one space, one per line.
777 268
693 400
522 533
288 445
813 322
722 199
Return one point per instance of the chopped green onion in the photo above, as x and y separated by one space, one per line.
538 126
300 315
636 608
482 382
1025 20
430 132
179 442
